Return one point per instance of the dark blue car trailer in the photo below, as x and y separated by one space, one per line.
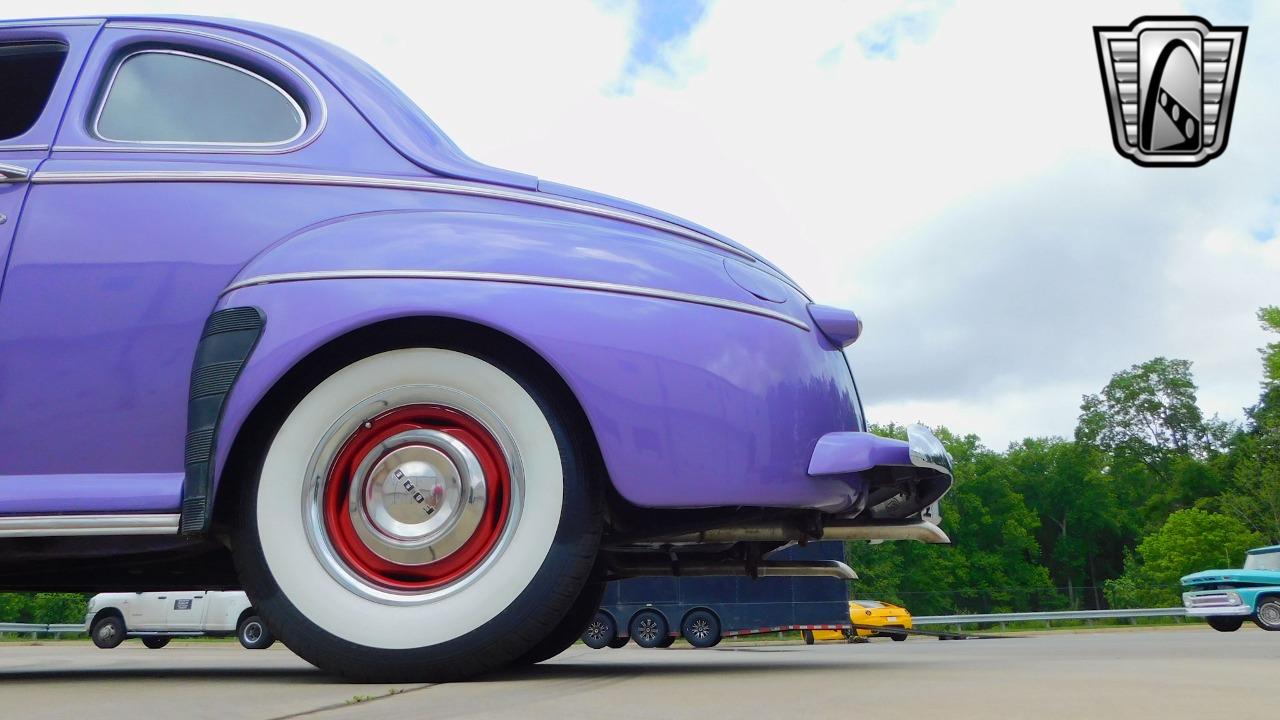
655 611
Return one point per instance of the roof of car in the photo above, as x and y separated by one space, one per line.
1265 550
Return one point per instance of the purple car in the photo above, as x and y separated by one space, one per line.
263 326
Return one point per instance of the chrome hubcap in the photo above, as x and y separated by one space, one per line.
596 630
252 632
417 497
412 494
1269 614
701 629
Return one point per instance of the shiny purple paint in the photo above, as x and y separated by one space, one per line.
115 266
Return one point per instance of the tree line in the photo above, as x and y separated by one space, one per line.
1147 490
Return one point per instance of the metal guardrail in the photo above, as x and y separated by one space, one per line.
44 629
1048 616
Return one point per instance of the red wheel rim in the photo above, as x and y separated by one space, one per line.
341 512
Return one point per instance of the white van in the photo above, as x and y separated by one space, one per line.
157 617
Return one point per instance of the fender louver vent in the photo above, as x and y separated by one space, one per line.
228 338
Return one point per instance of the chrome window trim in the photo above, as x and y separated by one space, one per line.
114 524
422 185
569 283
14 148
57 22
115 73
316 128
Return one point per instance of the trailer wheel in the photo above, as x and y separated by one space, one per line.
808 636
108 632
648 628
601 632
619 642
701 628
667 641
1225 623
155 642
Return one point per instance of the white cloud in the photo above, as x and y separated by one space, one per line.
963 195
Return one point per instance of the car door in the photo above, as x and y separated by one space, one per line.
146 611
38 65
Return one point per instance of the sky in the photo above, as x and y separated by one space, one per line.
943 169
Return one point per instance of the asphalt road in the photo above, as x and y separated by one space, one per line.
1175 673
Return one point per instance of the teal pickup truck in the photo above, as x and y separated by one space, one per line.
1227 597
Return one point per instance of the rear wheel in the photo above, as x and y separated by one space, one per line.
155 642
701 628
619 642
1268 615
649 628
571 627
253 634
108 632
601 632
807 636
421 514
898 636
1225 623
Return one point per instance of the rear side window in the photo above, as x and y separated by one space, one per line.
28 72
166 96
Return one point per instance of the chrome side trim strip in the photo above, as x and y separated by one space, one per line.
517 279
59 22
71 525
441 186
5 148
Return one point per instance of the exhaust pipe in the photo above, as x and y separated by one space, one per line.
768 568
918 530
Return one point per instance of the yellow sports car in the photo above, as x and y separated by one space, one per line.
868 612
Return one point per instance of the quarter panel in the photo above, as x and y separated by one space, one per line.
693 406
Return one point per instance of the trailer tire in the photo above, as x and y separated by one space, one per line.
601 632
155 642
648 628
807 635
619 642
701 628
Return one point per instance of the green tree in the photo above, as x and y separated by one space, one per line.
1189 541
1159 446
1147 413
1254 497
1082 527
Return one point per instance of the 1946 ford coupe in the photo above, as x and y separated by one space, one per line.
263 326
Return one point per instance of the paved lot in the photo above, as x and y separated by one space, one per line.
1175 673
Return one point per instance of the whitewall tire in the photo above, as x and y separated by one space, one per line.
420 514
